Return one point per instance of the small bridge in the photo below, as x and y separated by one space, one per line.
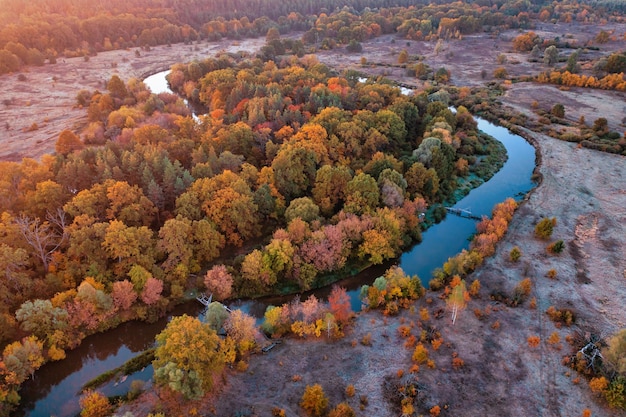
204 300
463 213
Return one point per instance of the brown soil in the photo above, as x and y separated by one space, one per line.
502 376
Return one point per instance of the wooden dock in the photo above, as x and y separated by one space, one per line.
466 213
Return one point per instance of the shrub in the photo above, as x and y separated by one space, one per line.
342 410
560 317
314 400
556 247
278 412
533 341
350 391
420 354
599 385
366 340
522 291
515 254
500 73
545 227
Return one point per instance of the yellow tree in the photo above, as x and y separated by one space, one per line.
188 357
457 300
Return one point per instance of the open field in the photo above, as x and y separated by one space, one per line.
502 375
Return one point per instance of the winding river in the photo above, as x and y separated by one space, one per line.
54 391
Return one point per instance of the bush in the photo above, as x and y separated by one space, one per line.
545 227
342 410
556 247
515 254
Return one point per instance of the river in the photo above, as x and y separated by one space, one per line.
54 391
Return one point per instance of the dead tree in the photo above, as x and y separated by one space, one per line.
45 237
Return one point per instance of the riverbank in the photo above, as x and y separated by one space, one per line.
501 375
35 111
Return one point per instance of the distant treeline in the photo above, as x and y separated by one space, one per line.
35 31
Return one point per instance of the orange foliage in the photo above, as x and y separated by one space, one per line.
533 341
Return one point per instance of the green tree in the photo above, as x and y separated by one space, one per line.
41 318
24 358
362 194
188 357
558 110
551 55
303 208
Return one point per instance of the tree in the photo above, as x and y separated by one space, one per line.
175 239
615 352
123 295
458 297
558 110
403 57
40 318
314 400
303 208
545 227
215 316
340 305
67 143
355 46
44 238
117 88
295 168
342 410
187 357
551 55
330 187
24 358
219 282
94 404
152 291
241 327
362 194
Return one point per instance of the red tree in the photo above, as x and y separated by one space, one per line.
339 304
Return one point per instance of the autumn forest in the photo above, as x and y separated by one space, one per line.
267 173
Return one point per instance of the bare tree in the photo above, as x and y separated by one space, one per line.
44 237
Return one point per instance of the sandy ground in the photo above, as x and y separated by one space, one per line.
502 376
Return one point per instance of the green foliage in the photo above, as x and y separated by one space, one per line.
556 247
616 393
545 227
392 291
